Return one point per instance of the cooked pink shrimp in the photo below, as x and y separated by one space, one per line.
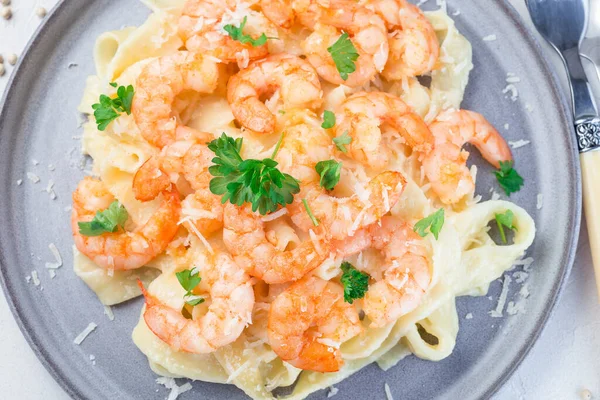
342 216
303 146
244 236
366 29
296 79
361 116
199 29
229 310
279 12
445 166
202 212
122 250
414 48
308 322
406 276
156 88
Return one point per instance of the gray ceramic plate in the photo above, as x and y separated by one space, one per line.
38 122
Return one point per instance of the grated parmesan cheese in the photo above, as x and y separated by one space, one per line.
506 126
518 143
109 313
170 383
540 201
273 216
197 232
515 308
513 79
497 313
84 334
388 392
469 316
332 391
514 93
57 257
489 38
34 277
19 182
33 177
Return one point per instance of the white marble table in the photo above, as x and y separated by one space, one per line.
564 361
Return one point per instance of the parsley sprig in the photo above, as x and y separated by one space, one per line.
356 283
312 217
109 109
505 220
329 171
344 55
240 181
188 279
328 120
237 33
433 222
508 178
341 141
107 221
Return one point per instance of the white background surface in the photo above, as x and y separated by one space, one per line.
565 360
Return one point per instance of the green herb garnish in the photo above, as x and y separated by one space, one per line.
107 221
188 279
344 55
505 220
257 182
328 120
434 223
109 109
329 171
508 178
341 141
237 33
356 283
314 220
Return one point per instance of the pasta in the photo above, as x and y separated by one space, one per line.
463 259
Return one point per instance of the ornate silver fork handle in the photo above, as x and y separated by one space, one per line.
588 133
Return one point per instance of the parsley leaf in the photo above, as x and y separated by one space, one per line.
314 220
109 109
188 279
257 182
508 178
434 223
356 283
341 141
236 33
328 120
505 220
344 55
107 221
330 173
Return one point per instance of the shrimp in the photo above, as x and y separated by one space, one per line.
157 86
229 310
122 250
308 322
303 146
295 78
199 29
414 47
445 166
407 273
362 114
244 236
203 212
344 216
368 34
279 12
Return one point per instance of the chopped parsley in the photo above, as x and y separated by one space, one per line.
188 279
108 221
329 171
314 220
434 223
328 120
240 181
344 55
237 33
505 220
508 178
356 283
109 109
341 141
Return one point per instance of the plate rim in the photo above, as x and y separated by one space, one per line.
71 388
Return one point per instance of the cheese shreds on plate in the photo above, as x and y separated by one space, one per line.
57 257
332 391
497 313
388 392
469 316
540 201
33 177
176 390
489 38
34 277
518 143
84 334
109 313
